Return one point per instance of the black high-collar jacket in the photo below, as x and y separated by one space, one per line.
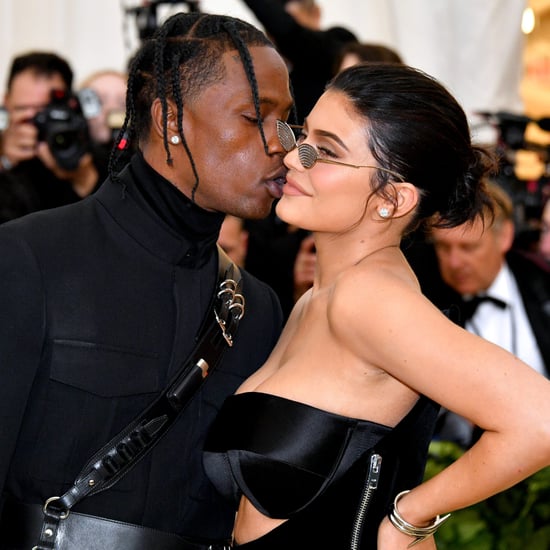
100 304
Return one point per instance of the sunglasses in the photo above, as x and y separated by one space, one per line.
309 156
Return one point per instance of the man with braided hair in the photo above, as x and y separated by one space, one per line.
102 300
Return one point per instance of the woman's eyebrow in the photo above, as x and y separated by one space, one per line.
331 135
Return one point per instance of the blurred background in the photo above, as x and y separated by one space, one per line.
475 47
494 55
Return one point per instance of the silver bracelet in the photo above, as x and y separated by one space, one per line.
419 533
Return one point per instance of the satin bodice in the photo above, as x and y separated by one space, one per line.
307 465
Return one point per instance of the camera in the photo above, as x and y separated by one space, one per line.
63 126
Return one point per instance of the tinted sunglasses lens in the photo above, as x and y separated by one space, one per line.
286 136
307 155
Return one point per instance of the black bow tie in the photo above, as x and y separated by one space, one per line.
468 307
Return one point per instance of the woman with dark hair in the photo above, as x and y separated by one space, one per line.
331 434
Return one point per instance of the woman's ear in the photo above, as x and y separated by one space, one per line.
406 199
157 123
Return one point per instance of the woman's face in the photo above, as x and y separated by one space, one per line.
329 197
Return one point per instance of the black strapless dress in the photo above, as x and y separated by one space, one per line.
333 478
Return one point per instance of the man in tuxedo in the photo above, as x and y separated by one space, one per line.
502 295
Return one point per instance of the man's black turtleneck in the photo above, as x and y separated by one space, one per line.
154 192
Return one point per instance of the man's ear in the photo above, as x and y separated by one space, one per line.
406 199
157 123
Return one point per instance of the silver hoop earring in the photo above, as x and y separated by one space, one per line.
384 212
174 140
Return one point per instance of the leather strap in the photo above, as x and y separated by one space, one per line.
21 525
115 459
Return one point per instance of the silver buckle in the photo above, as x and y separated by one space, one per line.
235 304
62 515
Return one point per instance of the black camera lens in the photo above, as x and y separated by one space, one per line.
64 128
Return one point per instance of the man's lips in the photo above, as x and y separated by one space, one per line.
275 184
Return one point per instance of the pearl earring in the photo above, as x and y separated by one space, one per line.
174 140
384 212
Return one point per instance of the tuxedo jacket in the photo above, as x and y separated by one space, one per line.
100 303
534 286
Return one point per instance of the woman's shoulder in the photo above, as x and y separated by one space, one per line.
370 283
373 297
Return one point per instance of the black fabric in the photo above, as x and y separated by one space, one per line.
298 462
30 187
101 301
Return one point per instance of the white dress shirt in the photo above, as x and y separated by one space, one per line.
507 327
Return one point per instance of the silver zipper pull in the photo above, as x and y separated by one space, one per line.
371 484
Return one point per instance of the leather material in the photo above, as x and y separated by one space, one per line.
22 525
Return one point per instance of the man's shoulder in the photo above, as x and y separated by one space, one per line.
47 230
49 218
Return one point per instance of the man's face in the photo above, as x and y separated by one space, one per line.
470 256
236 175
30 93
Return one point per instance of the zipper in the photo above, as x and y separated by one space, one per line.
371 484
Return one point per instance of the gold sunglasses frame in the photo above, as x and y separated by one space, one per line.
308 155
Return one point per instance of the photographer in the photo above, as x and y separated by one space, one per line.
39 168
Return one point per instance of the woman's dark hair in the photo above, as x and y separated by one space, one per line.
183 57
416 128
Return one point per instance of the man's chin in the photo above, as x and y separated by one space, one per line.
259 213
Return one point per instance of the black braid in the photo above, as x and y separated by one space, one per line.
176 86
246 59
160 45
126 131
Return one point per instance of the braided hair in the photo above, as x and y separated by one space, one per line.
180 60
